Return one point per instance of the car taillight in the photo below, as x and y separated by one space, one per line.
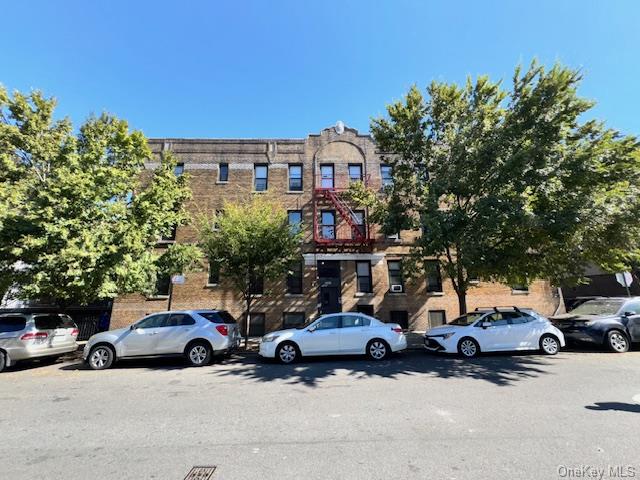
75 332
33 336
397 329
223 329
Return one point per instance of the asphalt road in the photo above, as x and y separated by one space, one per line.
413 416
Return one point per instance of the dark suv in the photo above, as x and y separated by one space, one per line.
613 322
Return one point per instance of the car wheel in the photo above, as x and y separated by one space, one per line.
549 344
101 357
468 347
199 354
617 341
377 349
287 352
3 361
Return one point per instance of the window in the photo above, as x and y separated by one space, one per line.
256 324
179 320
631 307
256 286
497 319
401 317
162 285
395 275
171 236
152 321
366 309
220 316
261 178
223 172
292 319
394 236
517 318
437 317
434 279
355 172
363 272
328 322
295 221
51 322
349 321
294 278
328 224
178 169
326 176
358 217
520 288
214 274
386 173
12 324
295 178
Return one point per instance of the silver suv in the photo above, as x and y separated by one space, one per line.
196 334
25 336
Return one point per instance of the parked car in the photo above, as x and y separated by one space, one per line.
26 336
196 334
335 334
606 321
493 330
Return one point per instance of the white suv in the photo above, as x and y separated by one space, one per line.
495 329
196 334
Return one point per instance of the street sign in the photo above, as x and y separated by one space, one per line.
177 279
624 278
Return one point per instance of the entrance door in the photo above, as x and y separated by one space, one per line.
330 300
330 286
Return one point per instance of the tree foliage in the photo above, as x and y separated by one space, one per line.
79 216
509 185
250 241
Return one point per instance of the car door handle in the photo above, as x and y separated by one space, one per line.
153 333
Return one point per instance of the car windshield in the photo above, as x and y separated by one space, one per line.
467 319
598 307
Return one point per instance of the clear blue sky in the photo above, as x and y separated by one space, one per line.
289 68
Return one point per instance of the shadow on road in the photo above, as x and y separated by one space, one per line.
616 406
501 370
159 363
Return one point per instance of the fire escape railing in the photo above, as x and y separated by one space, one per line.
329 196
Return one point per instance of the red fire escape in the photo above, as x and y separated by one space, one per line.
335 223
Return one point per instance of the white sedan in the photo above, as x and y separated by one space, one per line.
335 334
495 330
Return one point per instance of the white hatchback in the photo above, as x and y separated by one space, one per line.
335 334
495 330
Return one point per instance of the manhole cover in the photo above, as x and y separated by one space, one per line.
200 473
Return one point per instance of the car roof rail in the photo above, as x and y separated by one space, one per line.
503 307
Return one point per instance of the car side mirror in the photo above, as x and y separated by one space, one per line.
312 328
485 324
628 314
132 327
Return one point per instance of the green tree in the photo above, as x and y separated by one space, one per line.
250 242
79 215
508 185
176 260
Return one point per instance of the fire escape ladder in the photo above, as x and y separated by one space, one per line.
348 214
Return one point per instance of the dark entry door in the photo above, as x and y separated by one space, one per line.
330 286
330 300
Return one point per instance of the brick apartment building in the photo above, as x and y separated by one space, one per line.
346 265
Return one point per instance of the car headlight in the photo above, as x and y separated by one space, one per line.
448 335
269 338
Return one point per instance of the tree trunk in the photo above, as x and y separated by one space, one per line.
247 322
462 301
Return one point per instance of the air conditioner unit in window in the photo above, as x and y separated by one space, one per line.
396 288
